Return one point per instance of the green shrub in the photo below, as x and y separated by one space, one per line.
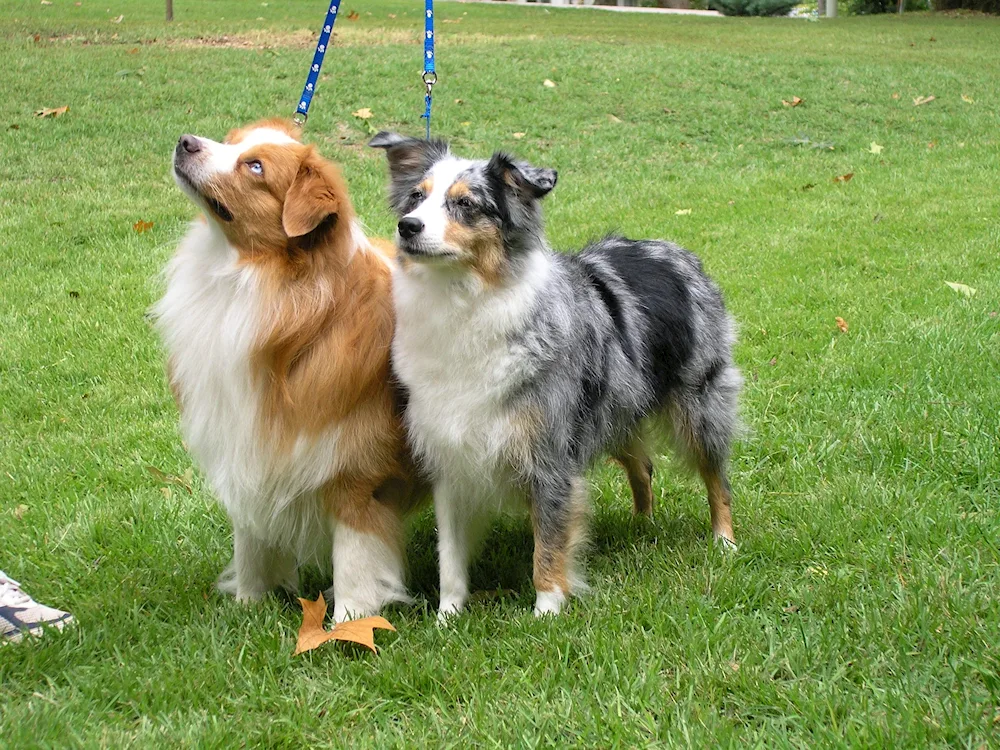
869 7
986 6
754 7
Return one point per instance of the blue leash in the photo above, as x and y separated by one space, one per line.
430 75
302 111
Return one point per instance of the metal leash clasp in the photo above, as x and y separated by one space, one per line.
429 78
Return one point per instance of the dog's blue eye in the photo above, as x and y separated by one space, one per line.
256 167
416 195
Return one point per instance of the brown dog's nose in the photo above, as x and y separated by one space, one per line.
189 143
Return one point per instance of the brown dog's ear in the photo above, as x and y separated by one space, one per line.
314 197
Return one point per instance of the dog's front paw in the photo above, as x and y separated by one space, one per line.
226 583
250 597
725 543
449 609
347 610
549 602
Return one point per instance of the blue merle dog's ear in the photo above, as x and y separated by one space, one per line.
409 161
534 182
408 154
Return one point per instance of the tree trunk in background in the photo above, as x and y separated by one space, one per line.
170 10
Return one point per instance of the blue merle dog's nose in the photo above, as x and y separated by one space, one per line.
409 227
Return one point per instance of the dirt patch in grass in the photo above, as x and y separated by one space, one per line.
277 39
300 39
346 37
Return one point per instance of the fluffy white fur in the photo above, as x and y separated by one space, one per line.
209 318
455 353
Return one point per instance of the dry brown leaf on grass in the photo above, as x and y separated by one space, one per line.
54 112
142 226
353 16
614 119
184 481
20 510
796 101
968 99
844 177
519 136
918 100
312 635
118 20
963 289
841 324
549 84
875 148
365 115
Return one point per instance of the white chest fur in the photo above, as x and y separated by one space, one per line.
452 350
209 318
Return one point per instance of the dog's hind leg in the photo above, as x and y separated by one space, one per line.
635 460
558 513
704 422
719 502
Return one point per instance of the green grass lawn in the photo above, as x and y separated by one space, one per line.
863 607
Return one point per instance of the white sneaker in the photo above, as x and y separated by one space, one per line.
20 614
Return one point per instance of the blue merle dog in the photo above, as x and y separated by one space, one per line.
523 365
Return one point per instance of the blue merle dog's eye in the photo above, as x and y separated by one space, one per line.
416 195
464 202
256 167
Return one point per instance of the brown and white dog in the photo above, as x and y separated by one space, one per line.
278 322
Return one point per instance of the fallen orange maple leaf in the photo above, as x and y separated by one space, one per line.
841 324
312 634
796 101
53 112
844 177
142 226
